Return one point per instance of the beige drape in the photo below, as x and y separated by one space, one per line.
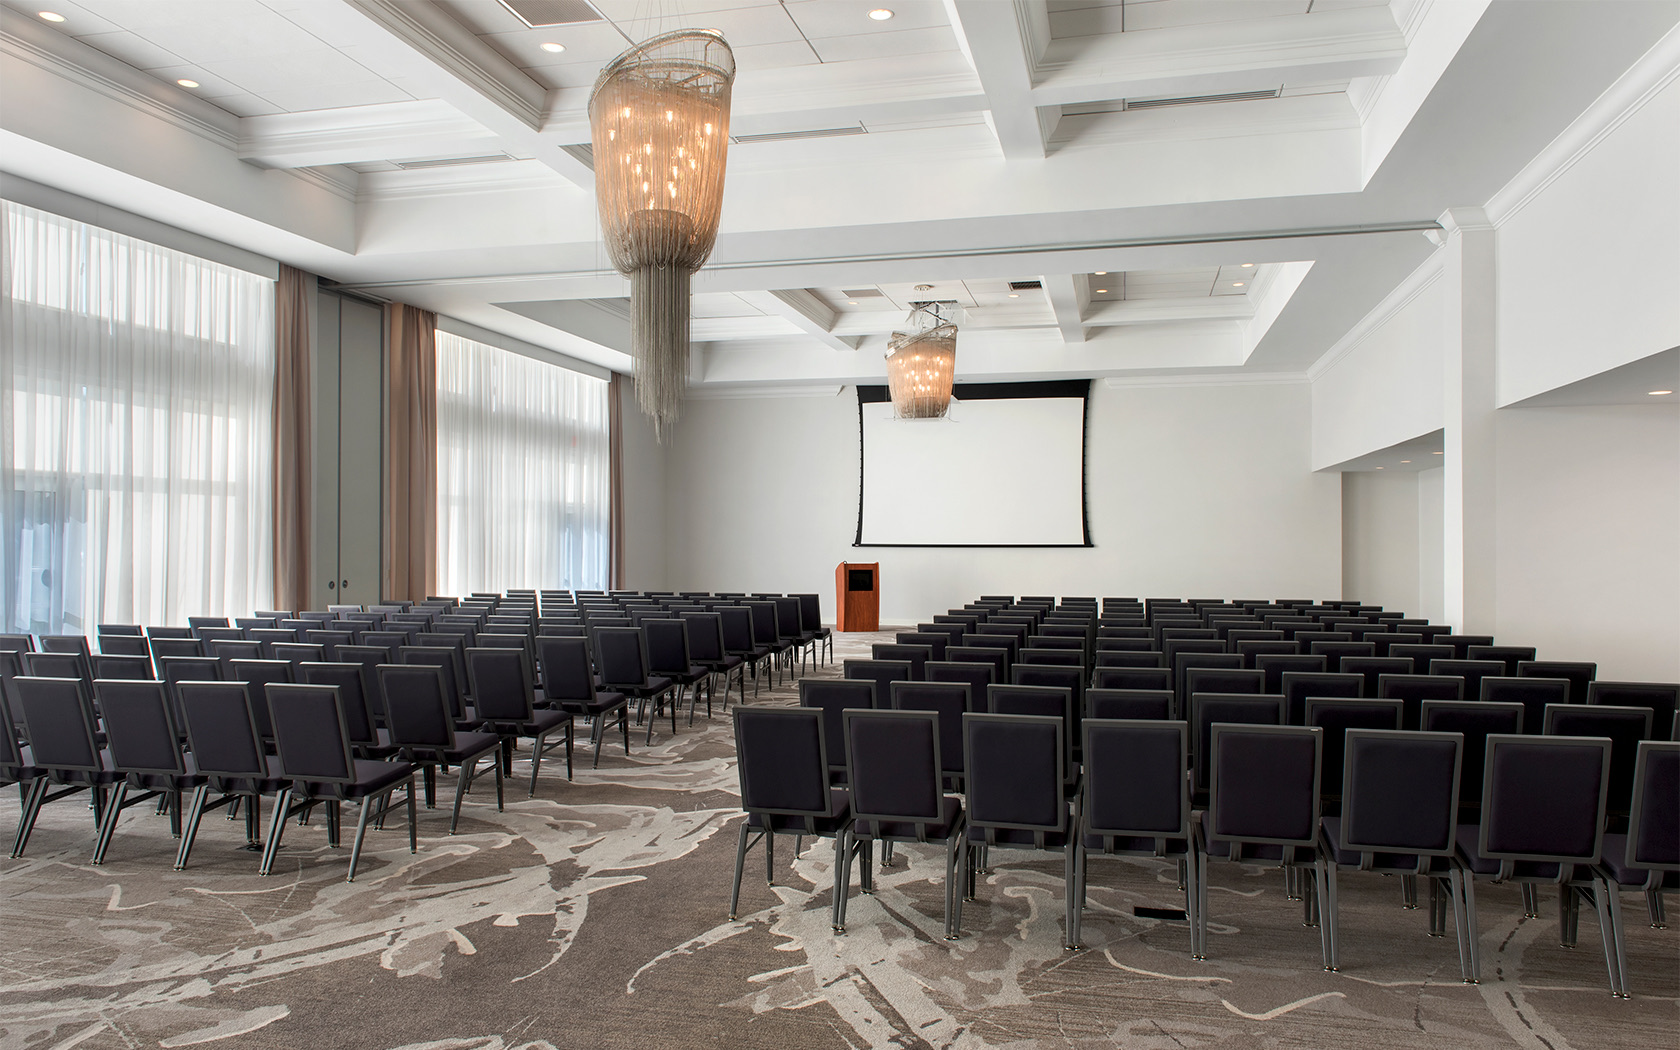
615 472
411 458
294 337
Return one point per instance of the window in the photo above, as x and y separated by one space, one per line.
522 472
137 468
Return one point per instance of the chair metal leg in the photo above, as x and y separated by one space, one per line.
276 828
741 847
189 831
1201 942
1654 905
769 855
1327 930
361 832
1569 916
428 774
956 855
1531 901
414 821
843 877
1471 936
1070 890
1457 878
1076 906
463 783
536 762
1615 933
108 827
1408 892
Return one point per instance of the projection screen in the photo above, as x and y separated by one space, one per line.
1006 468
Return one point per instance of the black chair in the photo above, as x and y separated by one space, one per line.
1648 856
950 701
1373 668
76 644
1509 655
1252 649
1072 679
448 659
1662 698
502 693
1136 802
917 656
1129 704
257 674
163 647
118 645
1472 671
621 657
882 672
228 750
1296 686
59 721
1016 772
1154 678
1462 643
1204 709
145 750
1625 727
58 665
1534 694
669 657
1475 721
790 629
1276 666
766 632
16 764
997 659
706 648
1399 795
297 652
1543 803
1263 805
810 619
1414 689
569 685
1223 680
1336 715
978 676
832 696
366 740
1056 657
206 621
894 771
1335 652
984 639
1421 654
782 760
739 640
1578 673
126 668
315 753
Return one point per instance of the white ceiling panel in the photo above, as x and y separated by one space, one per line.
1163 14
775 56
901 44
134 49
829 18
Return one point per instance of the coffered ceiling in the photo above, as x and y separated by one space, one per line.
1107 187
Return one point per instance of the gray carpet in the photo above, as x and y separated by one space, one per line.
594 916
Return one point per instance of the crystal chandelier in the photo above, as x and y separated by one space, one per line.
922 361
659 119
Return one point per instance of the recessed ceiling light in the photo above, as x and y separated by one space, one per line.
880 14
552 48
1437 453
1658 393
851 302
51 16
1014 295
1102 291
184 82
1379 468
1102 273
1236 284
1405 461
1246 265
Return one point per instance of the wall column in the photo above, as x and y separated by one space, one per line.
1469 501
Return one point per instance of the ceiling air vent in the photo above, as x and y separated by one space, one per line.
1025 286
540 13
862 293
788 136
1196 100
450 162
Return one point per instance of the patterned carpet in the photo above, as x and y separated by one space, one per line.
594 916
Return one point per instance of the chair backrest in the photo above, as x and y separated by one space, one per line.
917 656
935 641
66 643
352 695
971 652
1264 786
1400 792
1223 680
1543 798
1130 704
1475 720
782 760
502 688
1335 652
57 665
737 629
162 647
1070 678
297 652
207 621
667 646
832 696
128 668
882 672
764 629
417 711
1338 714
787 618
1472 671
893 766
976 675
1016 768
1276 665
58 719
810 611
1373 668
309 733
950 701
17 643
1296 686
1534 694
225 650
1579 674
1134 780
1662 698
705 637
566 671
1420 654
122 645
389 639
1654 827
1624 726
1156 678
1509 655
1206 709
445 659
621 656
1414 689
222 729
192 669
140 727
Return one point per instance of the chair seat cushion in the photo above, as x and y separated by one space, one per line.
1469 836
470 745
1613 859
1405 863
372 778
950 813
545 722
1018 838
728 663
829 824
1136 846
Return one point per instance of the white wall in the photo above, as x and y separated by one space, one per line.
1385 384
1380 543
1589 536
1432 599
1195 489
1590 263
644 500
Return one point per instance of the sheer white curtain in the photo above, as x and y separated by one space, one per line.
136 449
522 472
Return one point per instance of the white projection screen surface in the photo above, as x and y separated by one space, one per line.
997 472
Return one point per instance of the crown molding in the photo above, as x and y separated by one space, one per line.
723 392
1644 80
1214 379
1415 284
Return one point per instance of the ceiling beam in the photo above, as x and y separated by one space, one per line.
1069 294
1003 42
807 312
393 131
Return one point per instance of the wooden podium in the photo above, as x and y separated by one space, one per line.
858 596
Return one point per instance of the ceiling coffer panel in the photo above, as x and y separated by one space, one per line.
541 13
